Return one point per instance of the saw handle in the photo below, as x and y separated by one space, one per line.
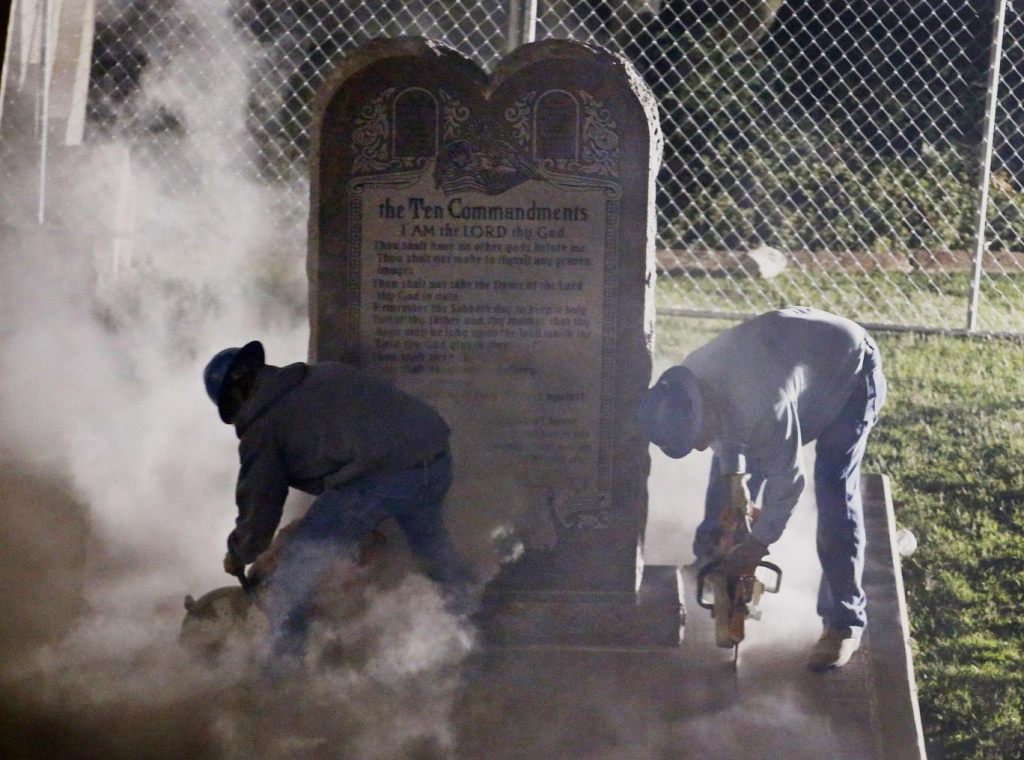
701 575
778 576
714 565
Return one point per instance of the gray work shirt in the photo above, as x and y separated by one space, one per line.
776 382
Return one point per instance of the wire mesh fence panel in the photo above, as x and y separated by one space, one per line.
224 88
826 153
844 135
279 51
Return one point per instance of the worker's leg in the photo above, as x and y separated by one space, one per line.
336 521
840 536
330 529
419 513
840 539
716 498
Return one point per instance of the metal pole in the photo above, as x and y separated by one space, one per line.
529 21
988 140
513 35
522 23
46 54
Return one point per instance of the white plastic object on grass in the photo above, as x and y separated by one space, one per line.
906 542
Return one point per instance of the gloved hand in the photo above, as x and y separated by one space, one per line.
233 565
744 557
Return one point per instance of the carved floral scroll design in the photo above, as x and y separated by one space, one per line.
600 140
518 116
370 138
454 116
374 133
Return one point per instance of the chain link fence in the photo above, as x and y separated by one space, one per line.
861 156
847 137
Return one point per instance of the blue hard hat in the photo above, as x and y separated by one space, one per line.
219 369
672 412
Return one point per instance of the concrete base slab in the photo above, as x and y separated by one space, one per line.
891 670
652 617
691 703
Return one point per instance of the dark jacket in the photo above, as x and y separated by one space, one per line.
317 426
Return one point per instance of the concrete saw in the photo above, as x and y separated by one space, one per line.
234 614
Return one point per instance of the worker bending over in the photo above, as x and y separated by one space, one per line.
756 394
367 450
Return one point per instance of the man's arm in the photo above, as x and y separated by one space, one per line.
780 460
260 495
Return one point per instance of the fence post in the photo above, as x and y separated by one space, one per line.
522 23
985 175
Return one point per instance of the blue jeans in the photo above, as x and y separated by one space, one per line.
840 535
839 451
334 524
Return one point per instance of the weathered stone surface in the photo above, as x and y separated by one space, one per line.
486 242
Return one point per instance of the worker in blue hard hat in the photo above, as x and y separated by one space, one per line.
755 395
366 449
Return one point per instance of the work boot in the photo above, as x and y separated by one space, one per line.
833 650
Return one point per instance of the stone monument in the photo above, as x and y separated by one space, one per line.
487 243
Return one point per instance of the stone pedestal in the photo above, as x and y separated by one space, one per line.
651 618
487 243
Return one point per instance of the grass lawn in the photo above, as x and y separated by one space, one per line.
951 438
930 299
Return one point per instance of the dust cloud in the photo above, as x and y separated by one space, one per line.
116 475
116 490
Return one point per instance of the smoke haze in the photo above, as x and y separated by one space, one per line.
118 476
